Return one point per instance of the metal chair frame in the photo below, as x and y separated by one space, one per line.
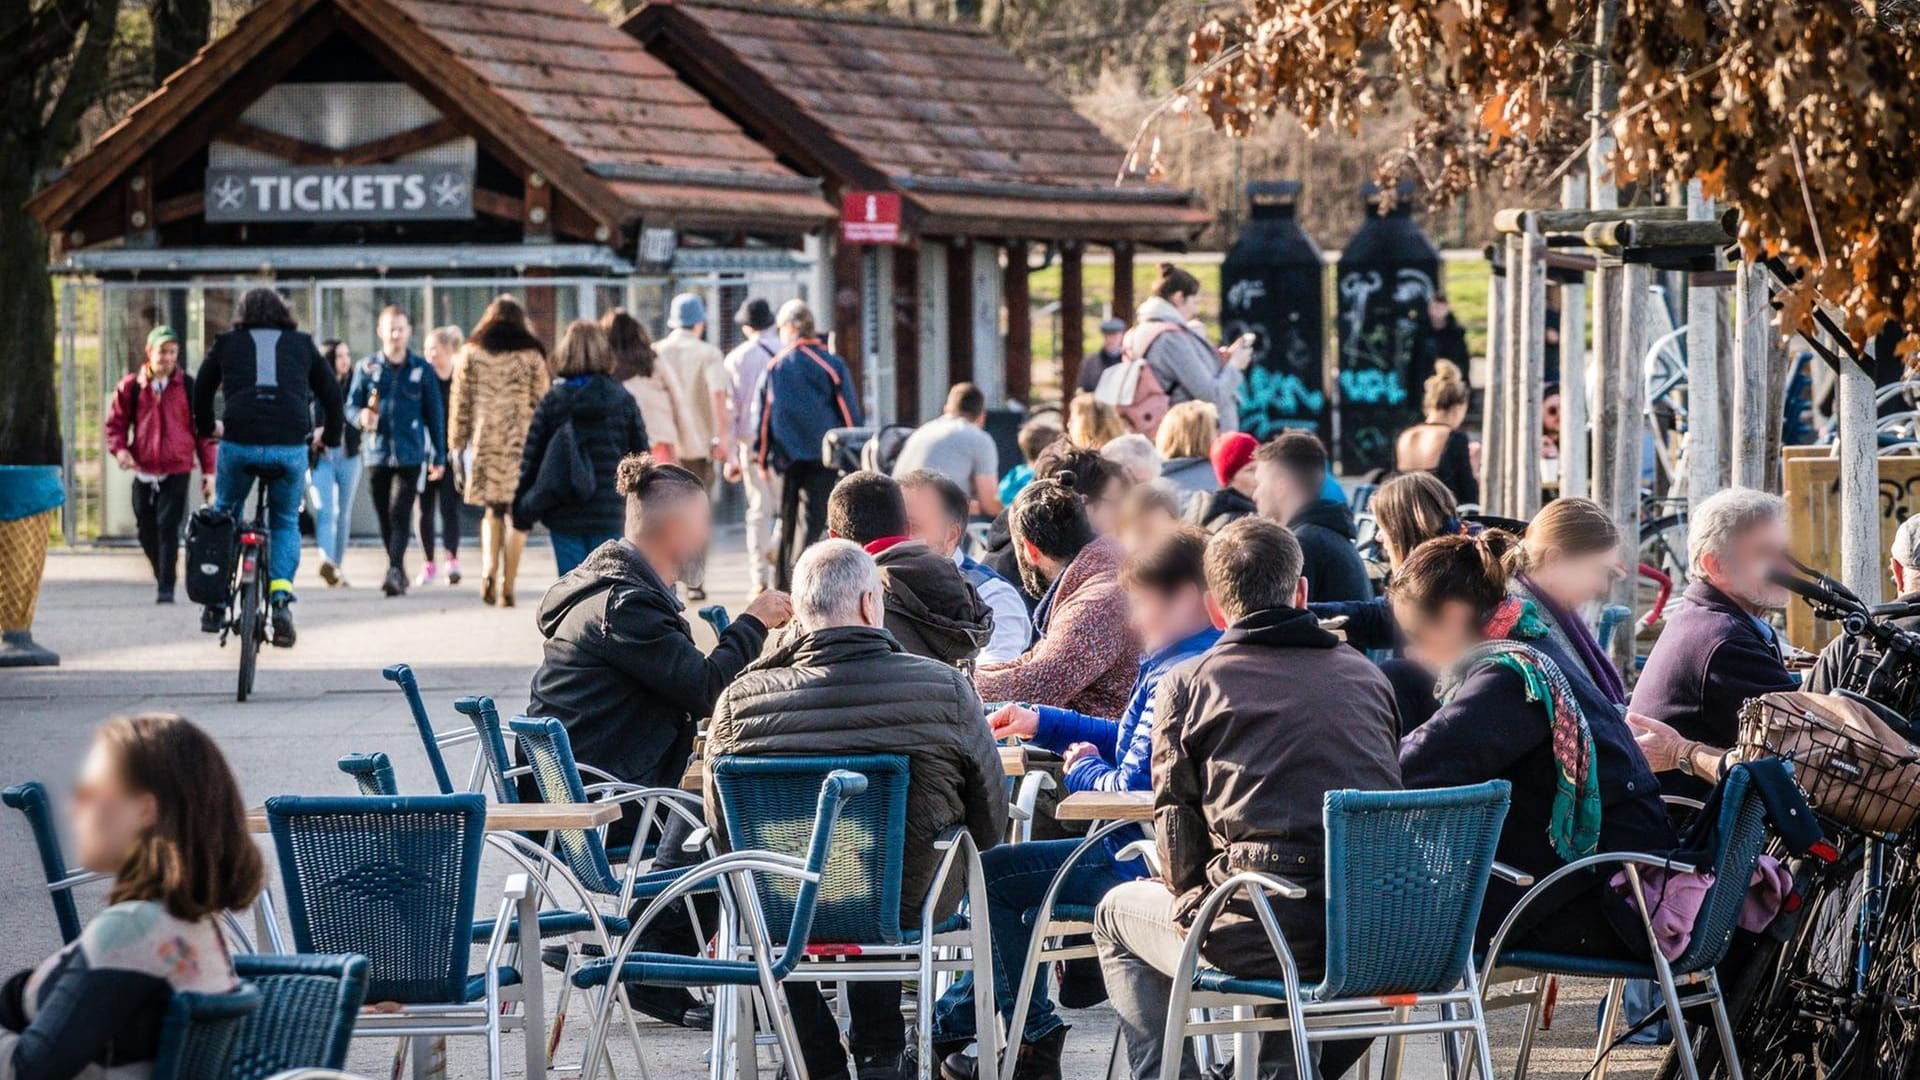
1460 1011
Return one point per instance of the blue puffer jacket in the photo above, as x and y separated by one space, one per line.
1126 744
412 428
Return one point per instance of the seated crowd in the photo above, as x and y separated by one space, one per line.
1173 634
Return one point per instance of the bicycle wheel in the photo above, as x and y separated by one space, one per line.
252 629
1663 546
1891 1027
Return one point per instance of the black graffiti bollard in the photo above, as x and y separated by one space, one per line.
1386 275
1273 286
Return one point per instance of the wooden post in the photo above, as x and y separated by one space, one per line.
1751 325
906 336
1123 282
1626 398
847 315
1861 561
959 311
1576 450
1019 326
1605 409
1493 414
1531 361
1513 377
1705 473
1605 81
1073 316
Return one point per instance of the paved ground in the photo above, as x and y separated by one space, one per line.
325 698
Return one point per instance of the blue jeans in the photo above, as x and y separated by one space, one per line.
1017 879
571 549
231 485
336 478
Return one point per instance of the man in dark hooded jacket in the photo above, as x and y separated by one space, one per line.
932 610
1292 472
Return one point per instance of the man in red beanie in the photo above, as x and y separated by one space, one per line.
1232 457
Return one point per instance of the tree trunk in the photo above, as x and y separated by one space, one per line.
180 29
29 408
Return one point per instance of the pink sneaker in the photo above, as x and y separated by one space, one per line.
452 572
427 574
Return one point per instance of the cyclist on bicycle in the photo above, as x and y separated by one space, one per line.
1903 562
271 375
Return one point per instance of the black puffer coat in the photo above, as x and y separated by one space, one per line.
621 669
852 690
606 428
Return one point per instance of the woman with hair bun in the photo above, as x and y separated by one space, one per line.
1189 367
1437 444
156 809
1515 706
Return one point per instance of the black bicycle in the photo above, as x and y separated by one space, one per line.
247 597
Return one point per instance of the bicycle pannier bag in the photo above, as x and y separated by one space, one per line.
211 544
1854 768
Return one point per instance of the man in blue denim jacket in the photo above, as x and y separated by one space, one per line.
1166 587
395 398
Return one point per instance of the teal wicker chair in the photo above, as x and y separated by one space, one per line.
480 711
372 773
1742 830
395 880
857 926
1406 874
749 880
199 1032
306 1016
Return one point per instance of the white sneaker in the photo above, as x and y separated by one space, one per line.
427 574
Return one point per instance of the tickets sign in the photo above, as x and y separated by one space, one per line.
428 192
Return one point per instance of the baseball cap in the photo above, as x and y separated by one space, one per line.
687 310
1906 543
1113 326
160 335
754 314
1232 452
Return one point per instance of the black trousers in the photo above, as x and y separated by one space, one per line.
440 515
803 494
394 488
159 508
878 1026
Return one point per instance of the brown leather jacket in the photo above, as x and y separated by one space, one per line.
1251 736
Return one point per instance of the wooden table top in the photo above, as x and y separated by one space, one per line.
1106 806
1013 762
512 817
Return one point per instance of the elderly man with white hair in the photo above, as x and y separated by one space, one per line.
1718 649
843 685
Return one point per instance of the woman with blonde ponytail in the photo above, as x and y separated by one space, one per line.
1437 444
1515 706
1568 561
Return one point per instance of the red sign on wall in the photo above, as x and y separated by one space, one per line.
870 217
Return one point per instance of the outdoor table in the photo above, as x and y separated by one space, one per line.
1106 806
515 817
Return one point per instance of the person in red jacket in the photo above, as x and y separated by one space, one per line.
150 433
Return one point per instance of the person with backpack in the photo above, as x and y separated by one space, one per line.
269 374
580 433
150 434
1167 361
805 392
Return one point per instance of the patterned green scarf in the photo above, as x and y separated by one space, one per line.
1574 828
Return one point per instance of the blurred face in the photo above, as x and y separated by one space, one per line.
927 521
1437 310
679 535
395 331
1103 512
107 817
438 354
1144 527
1573 581
342 359
1549 415
1754 552
1436 639
1111 341
1276 494
163 358
1163 618
1185 304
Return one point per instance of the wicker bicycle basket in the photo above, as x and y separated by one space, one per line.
1854 768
